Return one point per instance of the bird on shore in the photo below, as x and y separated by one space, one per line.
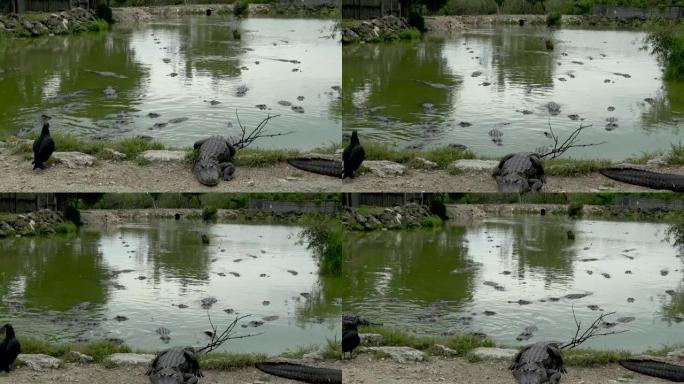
350 339
9 348
44 146
352 156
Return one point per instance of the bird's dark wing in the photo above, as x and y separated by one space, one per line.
194 365
47 148
13 350
346 153
555 356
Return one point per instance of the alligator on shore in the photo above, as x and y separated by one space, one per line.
303 373
175 365
214 160
655 368
321 166
520 172
645 178
538 363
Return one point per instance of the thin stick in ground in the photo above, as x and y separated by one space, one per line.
591 332
569 142
247 138
218 339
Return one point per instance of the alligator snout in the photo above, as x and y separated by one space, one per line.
207 174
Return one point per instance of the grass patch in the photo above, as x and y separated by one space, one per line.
431 222
131 147
325 237
410 34
441 156
67 228
247 157
463 344
300 351
333 350
99 350
572 167
588 358
229 361
97 26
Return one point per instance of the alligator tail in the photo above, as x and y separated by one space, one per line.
320 166
303 373
645 178
655 368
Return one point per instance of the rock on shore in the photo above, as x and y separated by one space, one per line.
75 20
407 216
39 222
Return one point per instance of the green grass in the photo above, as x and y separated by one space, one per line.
131 147
588 357
442 156
67 228
463 344
325 237
99 350
675 156
573 167
300 351
97 26
410 34
229 361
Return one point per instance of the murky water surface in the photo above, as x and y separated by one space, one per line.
489 89
156 274
189 71
471 278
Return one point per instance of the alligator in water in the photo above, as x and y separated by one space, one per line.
175 365
9 348
655 368
520 172
645 178
44 146
538 363
321 166
303 373
352 156
213 161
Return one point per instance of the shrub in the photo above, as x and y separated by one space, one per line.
71 213
668 45
240 9
410 34
553 19
438 208
417 21
575 209
325 238
104 12
209 213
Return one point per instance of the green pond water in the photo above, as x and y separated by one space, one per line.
441 282
65 77
144 271
387 87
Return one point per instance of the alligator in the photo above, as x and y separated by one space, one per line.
44 146
520 172
655 368
9 348
321 166
352 156
213 161
305 373
176 365
538 363
645 178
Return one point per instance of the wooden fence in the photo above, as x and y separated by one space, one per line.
279 206
370 9
629 13
27 202
21 6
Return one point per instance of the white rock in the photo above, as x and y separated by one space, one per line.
400 354
161 156
74 159
39 362
494 353
474 165
425 163
80 357
371 339
445 351
115 154
131 358
384 168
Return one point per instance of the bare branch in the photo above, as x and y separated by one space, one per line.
589 333
258 132
218 339
569 142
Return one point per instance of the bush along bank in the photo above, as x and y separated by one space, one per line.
31 24
400 217
43 222
388 28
